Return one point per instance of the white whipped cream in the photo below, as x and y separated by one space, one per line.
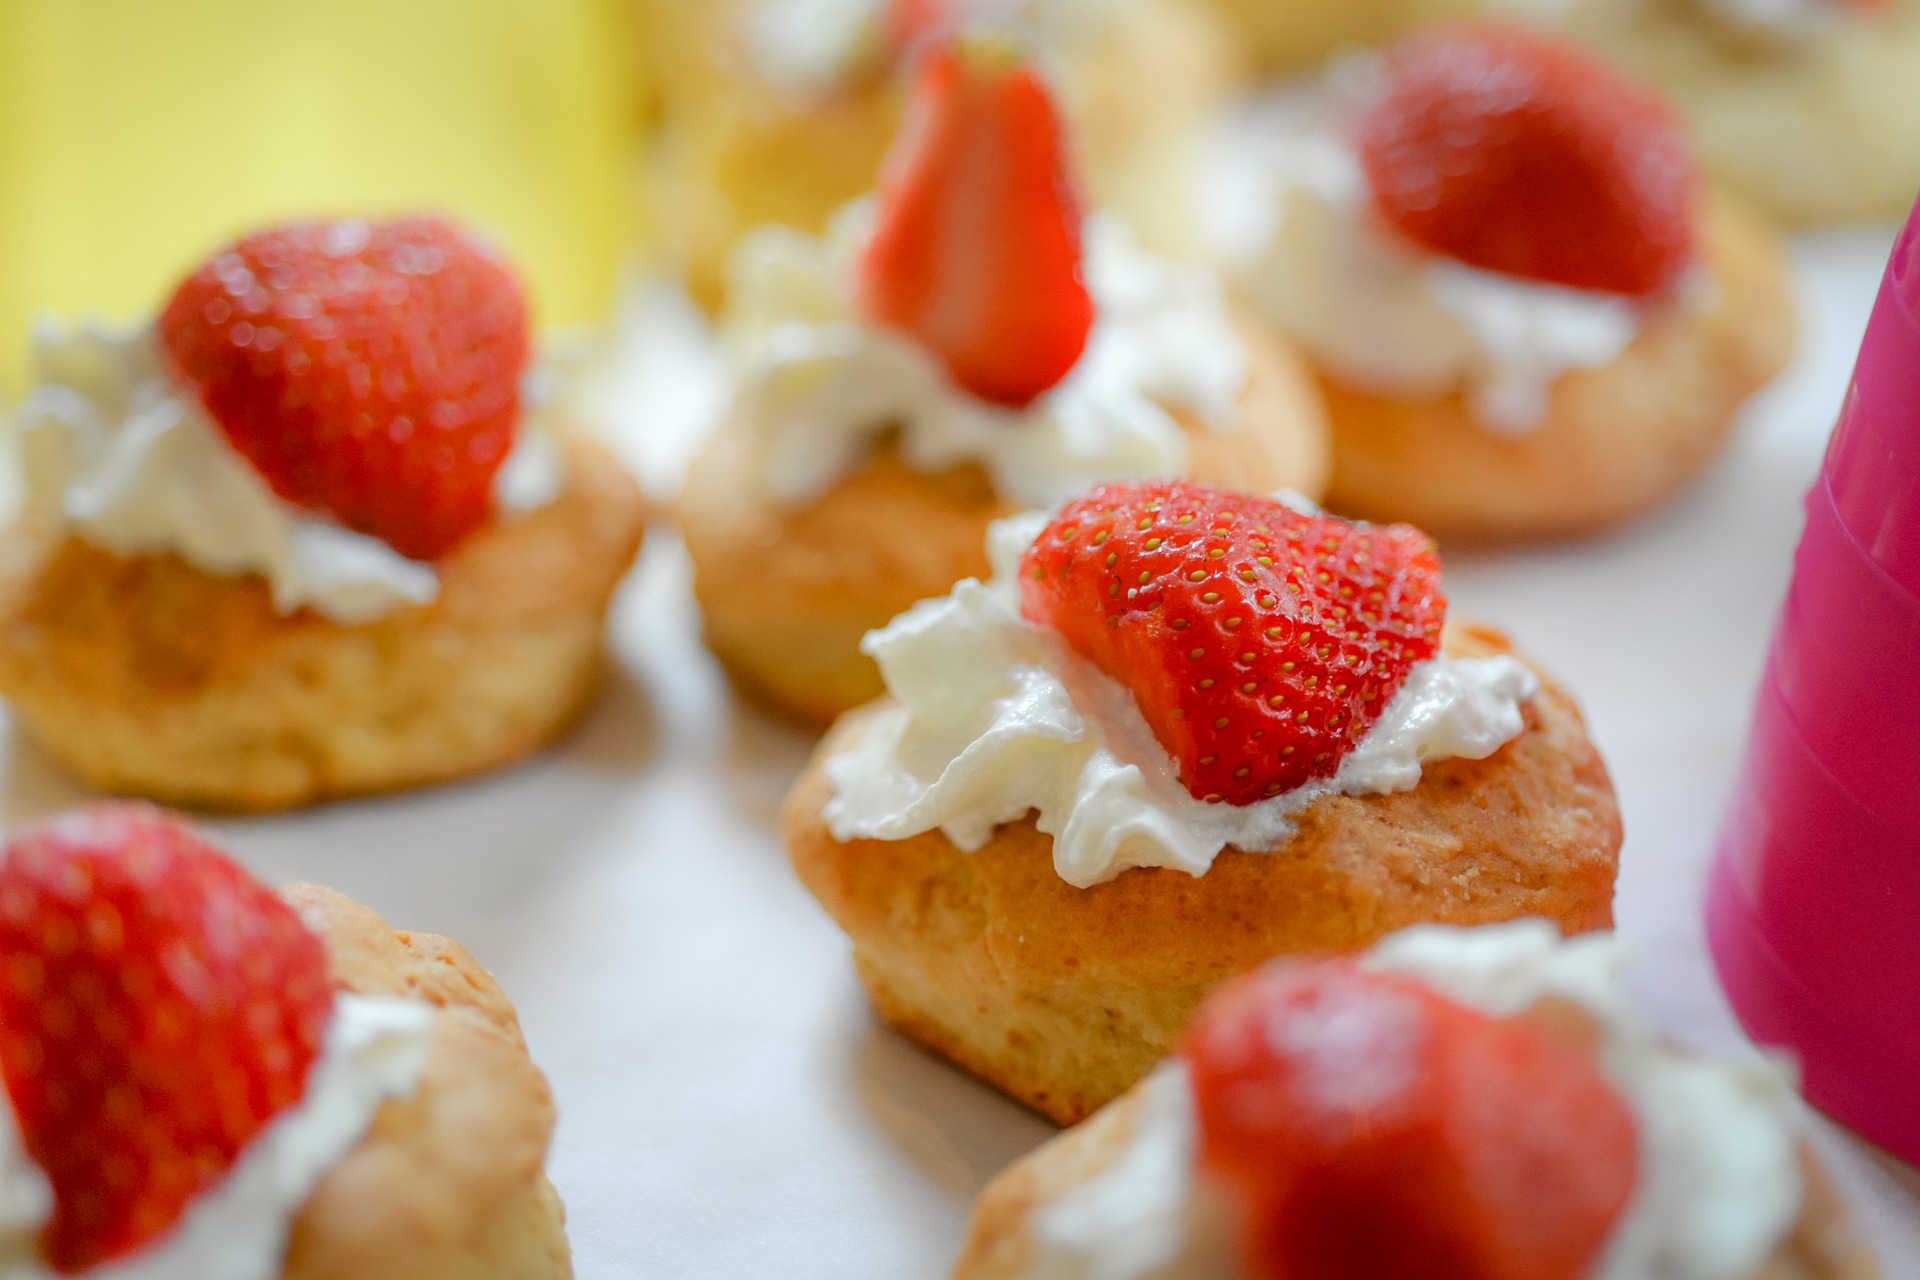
997 718
1374 309
1719 1185
375 1050
117 451
817 383
813 48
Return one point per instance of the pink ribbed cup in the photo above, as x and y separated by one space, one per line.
1813 909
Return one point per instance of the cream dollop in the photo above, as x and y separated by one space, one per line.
817 384
1719 1183
813 48
375 1050
997 718
115 450
1377 311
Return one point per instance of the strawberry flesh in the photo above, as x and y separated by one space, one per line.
368 370
159 1007
976 252
1261 644
1369 1127
1516 152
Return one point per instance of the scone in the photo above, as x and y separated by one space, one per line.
1292 35
1804 107
1454 1102
780 111
356 560
1181 732
1548 340
256 1086
938 362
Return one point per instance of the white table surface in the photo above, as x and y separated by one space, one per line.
729 1107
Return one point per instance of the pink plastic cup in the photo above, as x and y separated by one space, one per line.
1813 908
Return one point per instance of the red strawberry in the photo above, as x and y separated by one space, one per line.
1374 1128
159 1007
371 370
977 250
1261 644
1517 152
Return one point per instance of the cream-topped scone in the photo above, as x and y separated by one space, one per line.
780 111
318 530
226 1083
1527 317
1452 1102
964 347
1804 107
1180 732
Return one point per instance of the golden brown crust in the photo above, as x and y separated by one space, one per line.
1816 129
1000 1244
146 675
1295 35
1615 441
448 1184
787 594
1065 997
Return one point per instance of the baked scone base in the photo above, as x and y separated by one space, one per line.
1065 997
1814 131
450 1183
1000 1245
145 675
1615 441
1297 35
786 594
739 151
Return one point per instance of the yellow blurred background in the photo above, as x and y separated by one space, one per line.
135 135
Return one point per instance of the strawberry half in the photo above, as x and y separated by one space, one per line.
1372 1127
1517 152
977 248
159 1007
369 370
1261 644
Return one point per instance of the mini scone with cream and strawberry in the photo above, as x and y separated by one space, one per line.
1804 107
1454 1102
780 111
1181 731
1529 316
209 1079
963 347
319 530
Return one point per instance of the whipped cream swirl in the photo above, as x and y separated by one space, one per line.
117 451
818 384
1376 311
1719 1182
811 49
375 1051
997 717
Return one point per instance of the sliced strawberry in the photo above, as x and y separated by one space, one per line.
977 249
370 370
159 1006
1373 1128
1515 151
1261 644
